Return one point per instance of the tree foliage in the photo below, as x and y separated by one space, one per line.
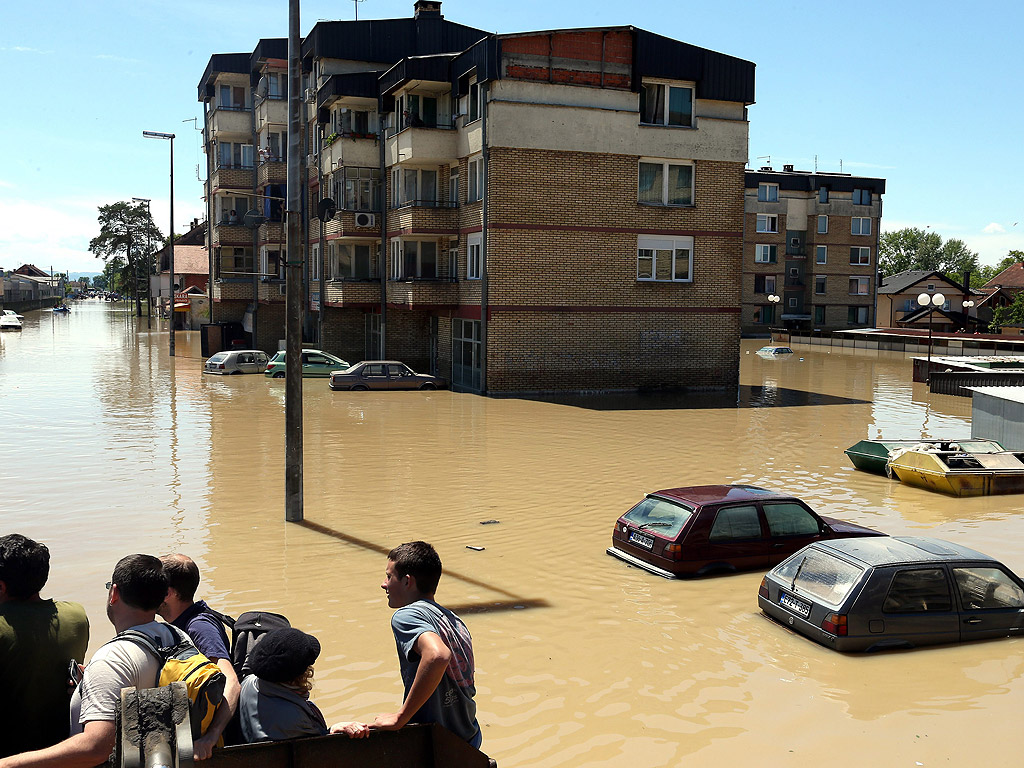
126 240
915 248
1012 314
987 272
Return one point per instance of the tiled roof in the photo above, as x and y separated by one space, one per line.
1012 276
191 260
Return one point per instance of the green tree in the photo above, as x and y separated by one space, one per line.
1012 314
908 248
956 258
125 231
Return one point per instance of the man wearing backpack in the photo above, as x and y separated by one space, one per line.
206 628
136 589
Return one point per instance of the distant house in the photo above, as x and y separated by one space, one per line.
1010 279
898 306
191 266
29 284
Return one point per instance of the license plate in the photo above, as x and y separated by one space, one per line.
647 542
798 607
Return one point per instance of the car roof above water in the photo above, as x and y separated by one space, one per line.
899 550
715 494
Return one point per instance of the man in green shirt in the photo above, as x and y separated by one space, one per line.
38 640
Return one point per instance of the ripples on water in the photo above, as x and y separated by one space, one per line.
582 660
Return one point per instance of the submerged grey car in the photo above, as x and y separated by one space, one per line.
383 374
237 361
893 592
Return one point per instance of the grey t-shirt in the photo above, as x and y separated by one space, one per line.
116 665
451 704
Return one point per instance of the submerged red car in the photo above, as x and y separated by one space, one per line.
706 529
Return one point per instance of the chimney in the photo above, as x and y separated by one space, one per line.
787 169
427 9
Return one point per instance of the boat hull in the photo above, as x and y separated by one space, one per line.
873 455
987 475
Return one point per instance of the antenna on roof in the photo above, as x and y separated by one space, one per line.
840 165
815 163
355 4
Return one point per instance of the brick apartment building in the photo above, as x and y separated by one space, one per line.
557 210
810 239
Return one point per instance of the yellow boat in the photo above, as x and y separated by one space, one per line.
959 473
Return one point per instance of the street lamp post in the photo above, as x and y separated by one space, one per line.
774 299
149 263
930 300
967 315
170 240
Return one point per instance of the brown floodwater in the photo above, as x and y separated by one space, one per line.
109 449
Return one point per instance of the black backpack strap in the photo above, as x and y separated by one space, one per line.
222 617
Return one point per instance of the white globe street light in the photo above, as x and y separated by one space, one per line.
930 300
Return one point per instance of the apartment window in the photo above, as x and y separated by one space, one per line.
819 315
357 189
354 122
665 183
277 85
821 254
453 185
794 302
664 104
414 186
764 283
862 197
232 97
271 264
234 262
859 286
352 261
766 254
274 146
860 256
413 259
767 222
819 283
474 257
857 316
314 263
415 110
453 259
822 194
764 315
822 225
235 155
232 209
860 226
475 190
665 259
767 193
476 107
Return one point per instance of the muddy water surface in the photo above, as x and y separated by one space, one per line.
108 448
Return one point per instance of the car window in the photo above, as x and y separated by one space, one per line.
245 357
918 590
736 523
373 370
396 370
789 519
278 357
819 574
664 517
220 357
982 588
261 358
315 359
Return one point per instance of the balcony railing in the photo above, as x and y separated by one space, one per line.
417 279
442 124
231 108
424 204
231 165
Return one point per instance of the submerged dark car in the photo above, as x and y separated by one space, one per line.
894 592
383 374
705 529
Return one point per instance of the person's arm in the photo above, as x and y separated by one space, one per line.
203 746
434 657
83 750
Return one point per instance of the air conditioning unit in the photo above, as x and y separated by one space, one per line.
366 220
310 95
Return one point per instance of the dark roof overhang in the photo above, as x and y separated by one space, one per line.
221 62
804 181
355 84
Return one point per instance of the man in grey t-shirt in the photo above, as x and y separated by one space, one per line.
435 650
135 591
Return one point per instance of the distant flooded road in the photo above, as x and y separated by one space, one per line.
110 448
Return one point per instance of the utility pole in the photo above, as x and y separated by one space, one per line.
294 300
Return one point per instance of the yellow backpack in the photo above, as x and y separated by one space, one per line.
181 660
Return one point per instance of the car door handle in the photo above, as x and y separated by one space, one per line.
972 620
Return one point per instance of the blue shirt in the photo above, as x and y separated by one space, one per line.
206 630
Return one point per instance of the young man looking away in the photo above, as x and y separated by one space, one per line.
435 650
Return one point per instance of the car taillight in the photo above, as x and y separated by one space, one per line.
675 551
835 624
763 589
221 366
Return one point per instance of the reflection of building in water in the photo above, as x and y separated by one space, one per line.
552 210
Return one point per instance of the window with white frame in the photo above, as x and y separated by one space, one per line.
767 222
412 259
862 197
357 189
277 84
821 254
274 146
764 283
822 225
352 261
234 154
859 286
474 102
453 259
767 193
475 173
664 259
232 209
453 185
271 264
666 104
857 316
766 254
474 256
234 262
793 302
414 186
820 283
860 225
860 256
665 182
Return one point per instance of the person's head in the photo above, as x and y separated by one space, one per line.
24 567
412 573
138 584
183 580
285 656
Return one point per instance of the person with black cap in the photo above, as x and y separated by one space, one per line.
274 703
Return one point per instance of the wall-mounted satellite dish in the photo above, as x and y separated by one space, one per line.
252 219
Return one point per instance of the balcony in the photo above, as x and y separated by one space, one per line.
435 217
344 224
437 145
350 292
225 120
271 232
413 292
271 171
232 176
231 234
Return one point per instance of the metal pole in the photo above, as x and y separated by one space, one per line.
170 306
293 510
928 374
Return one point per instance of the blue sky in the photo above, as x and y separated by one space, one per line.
926 95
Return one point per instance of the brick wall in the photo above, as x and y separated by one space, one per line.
345 334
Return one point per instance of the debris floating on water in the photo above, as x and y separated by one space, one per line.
489 522
475 549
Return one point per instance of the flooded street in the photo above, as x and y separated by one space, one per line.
110 448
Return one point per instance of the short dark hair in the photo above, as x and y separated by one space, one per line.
182 575
141 581
24 565
419 560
